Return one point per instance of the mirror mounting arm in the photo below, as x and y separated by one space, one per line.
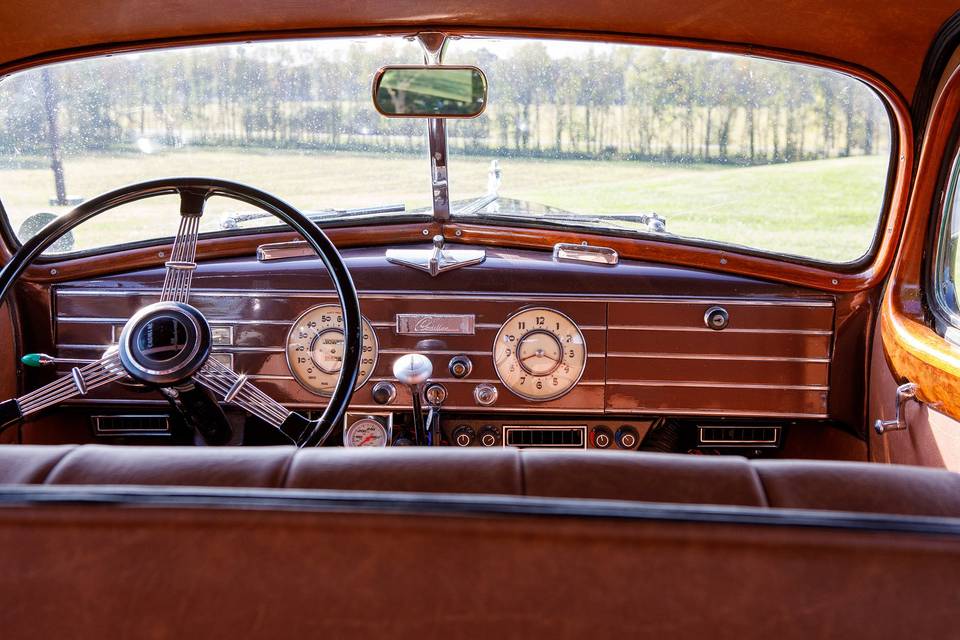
433 44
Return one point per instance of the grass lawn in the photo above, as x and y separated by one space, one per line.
824 209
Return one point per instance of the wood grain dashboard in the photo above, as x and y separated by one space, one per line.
649 349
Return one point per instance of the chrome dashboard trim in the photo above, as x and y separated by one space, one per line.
459 295
711 384
668 327
712 356
600 412
435 324
585 253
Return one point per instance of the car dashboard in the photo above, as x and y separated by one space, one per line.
526 349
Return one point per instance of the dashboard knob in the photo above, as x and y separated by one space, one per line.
384 392
602 437
485 394
464 436
435 394
627 437
412 369
460 366
489 436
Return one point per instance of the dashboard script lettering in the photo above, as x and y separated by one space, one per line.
434 324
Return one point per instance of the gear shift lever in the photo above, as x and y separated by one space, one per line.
413 369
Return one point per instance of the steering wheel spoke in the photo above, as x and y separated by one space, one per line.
80 381
183 255
234 388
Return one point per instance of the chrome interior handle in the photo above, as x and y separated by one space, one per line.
905 392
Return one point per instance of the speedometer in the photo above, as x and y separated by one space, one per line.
539 354
315 349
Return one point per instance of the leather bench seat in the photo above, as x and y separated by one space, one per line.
679 479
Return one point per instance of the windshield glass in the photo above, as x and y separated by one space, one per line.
774 156
293 118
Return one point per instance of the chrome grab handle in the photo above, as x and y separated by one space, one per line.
907 391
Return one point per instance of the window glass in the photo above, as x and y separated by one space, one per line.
293 118
946 265
776 156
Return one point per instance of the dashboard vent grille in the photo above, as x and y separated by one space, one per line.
545 437
739 436
131 425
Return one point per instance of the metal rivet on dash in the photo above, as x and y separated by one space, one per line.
459 232
53 272
835 281
161 254
723 261
426 232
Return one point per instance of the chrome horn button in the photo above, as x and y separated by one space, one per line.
165 343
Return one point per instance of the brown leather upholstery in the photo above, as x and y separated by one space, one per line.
872 488
608 475
163 562
76 571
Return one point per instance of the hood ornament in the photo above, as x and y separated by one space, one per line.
438 259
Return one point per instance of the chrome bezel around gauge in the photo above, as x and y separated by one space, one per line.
365 373
384 422
510 387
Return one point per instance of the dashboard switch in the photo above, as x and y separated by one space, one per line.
485 394
602 437
489 436
384 392
460 366
464 436
627 437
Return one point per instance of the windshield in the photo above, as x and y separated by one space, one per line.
773 156
292 118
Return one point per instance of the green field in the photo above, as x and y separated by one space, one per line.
825 209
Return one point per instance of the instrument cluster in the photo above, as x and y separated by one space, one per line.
539 354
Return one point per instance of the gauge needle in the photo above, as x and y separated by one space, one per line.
539 353
365 441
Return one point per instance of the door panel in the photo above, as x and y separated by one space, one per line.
932 438
907 348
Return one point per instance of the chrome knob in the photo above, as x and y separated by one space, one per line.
485 394
460 366
412 369
435 394
384 392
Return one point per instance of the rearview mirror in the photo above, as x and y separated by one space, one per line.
430 92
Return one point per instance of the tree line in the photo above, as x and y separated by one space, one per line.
610 101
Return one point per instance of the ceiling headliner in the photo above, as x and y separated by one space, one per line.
890 37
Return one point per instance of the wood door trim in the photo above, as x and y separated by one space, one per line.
914 351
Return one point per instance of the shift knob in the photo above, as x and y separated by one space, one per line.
412 369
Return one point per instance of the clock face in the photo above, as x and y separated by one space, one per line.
539 354
315 349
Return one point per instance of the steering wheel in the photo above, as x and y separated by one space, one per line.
167 344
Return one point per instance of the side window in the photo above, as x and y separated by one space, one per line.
946 279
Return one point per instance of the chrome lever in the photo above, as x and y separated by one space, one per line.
907 391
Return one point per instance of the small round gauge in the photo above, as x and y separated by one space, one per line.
366 432
539 354
315 349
